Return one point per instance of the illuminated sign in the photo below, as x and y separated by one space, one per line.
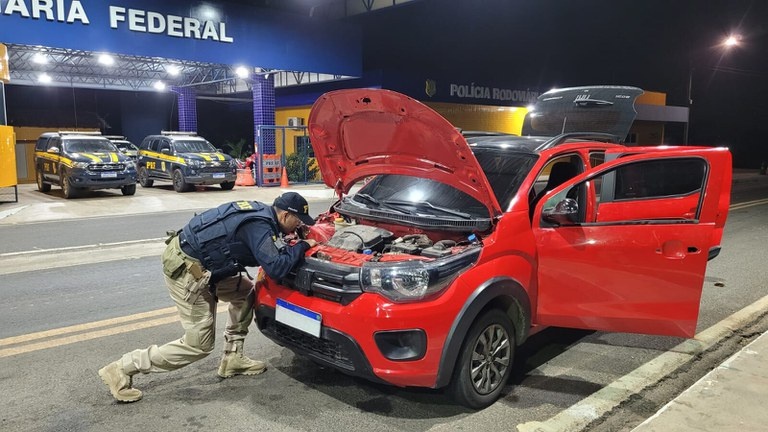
185 30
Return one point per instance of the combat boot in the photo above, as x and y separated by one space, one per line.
235 363
119 382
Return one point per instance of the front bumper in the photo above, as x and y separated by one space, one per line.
91 180
193 176
348 340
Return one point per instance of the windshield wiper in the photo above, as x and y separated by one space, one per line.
368 198
378 203
431 206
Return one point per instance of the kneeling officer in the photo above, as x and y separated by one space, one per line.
206 262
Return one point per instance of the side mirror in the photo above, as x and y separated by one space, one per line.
565 212
165 151
54 150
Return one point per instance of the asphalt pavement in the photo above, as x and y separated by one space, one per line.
732 397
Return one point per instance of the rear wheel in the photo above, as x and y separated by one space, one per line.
179 183
128 189
144 180
227 185
42 186
66 187
485 361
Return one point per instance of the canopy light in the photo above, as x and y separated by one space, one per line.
40 58
106 60
44 78
159 85
242 72
173 70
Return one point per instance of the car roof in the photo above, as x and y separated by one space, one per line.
535 144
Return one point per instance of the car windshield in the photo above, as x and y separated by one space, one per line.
194 146
413 195
505 170
88 146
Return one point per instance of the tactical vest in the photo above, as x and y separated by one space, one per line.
212 235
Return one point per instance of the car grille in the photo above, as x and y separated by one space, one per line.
334 282
326 349
106 167
212 170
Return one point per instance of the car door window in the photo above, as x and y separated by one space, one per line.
663 190
165 145
557 171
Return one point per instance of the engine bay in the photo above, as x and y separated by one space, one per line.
354 241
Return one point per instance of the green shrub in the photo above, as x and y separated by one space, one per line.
295 165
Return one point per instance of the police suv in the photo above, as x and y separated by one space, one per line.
79 161
128 148
185 159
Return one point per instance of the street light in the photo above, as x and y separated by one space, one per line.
727 43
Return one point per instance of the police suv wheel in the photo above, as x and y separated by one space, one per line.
144 179
227 185
180 183
66 187
128 189
42 186
485 361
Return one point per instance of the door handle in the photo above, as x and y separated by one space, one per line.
673 249
693 249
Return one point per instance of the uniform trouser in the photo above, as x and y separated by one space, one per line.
198 317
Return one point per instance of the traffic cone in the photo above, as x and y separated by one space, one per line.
284 179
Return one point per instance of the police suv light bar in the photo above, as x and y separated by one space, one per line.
177 133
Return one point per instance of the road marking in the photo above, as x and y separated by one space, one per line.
18 262
69 338
86 326
748 204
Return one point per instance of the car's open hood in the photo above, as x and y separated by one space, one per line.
605 109
363 132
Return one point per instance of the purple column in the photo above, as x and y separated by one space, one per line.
263 115
187 101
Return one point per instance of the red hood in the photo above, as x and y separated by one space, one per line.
363 132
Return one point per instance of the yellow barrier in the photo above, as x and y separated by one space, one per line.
7 157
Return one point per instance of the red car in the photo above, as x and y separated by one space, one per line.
454 253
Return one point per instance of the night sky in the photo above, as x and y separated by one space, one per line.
542 44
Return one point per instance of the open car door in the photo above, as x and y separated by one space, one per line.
624 247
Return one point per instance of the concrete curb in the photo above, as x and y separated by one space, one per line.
579 416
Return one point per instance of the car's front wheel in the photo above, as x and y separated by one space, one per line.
227 185
42 186
144 179
128 189
485 361
180 183
66 187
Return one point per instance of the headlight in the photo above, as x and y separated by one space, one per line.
82 165
414 280
130 164
195 163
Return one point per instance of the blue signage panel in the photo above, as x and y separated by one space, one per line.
199 31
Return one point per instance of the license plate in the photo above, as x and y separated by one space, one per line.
299 318
108 175
218 175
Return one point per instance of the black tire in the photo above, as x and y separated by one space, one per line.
180 183
128 189
66 187
42 186
485 361
227 185
144 179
